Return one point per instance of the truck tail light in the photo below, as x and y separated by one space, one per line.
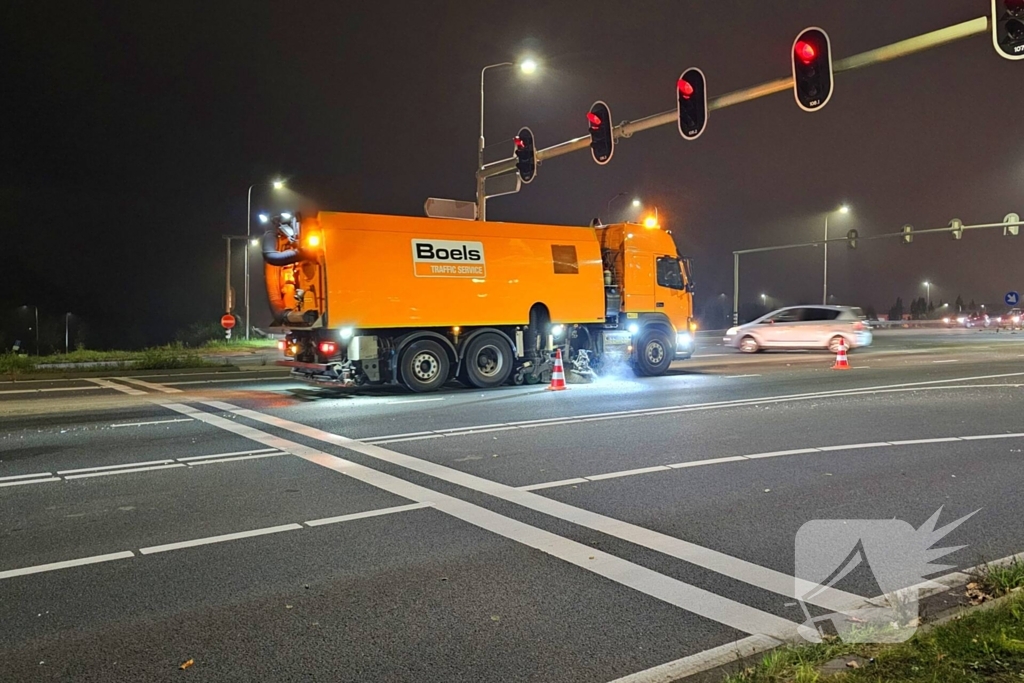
328 348
281 345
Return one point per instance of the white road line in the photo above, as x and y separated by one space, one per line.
553 484
739 376
224 455
43 391
776 454
116 467
915 442
149 385
712 461
53 566
628 473
667 410
702 661
234 459
748 572
152 422
672 591
218 539
364 515
28 481
992 436
134 471
116 387
854 446
954 360
26 476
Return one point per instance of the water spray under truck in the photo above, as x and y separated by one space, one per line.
370 299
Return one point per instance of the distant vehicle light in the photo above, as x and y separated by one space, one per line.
328 348
633 328
345 333
945 320
1016 318
557 330
287 216
264 218
281 345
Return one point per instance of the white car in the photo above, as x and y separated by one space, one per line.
802 327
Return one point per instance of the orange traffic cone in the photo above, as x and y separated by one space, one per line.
558 374
841 362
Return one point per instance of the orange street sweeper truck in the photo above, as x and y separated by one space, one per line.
371 299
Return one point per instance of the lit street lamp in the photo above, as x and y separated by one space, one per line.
33 306
928 288
277 185
844 209
636 203
527 66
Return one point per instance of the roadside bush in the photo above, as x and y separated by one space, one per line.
169 358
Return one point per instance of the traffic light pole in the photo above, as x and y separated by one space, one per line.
627 129
736 254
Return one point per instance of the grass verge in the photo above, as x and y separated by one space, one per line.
157 358
983 646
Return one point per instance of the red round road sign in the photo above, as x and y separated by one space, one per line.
227 321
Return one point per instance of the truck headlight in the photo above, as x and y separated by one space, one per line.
345 333
684 340
633 328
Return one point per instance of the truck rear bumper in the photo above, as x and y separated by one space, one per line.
317 374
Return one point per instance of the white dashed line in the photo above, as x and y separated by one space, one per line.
28 481
116 467
365 515
152 422
134 471
218 539
192 458
53 566
131 391
26 476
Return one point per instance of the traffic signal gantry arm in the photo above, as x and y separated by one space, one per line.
627 129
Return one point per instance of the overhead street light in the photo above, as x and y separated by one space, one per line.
844 209
928 288
637 204
528 66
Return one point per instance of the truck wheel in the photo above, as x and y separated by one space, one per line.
654 353
424 366
487 361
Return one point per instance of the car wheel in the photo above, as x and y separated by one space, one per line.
749 345
834 342
487 361
424 366
654 353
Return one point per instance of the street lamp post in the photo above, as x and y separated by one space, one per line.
824 286
928 289
67 318
527 66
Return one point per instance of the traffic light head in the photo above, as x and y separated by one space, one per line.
1008 28
526 155
908 234
692 103
956 229
851 239
602 139
812 69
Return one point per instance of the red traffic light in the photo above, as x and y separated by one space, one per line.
595 120
685 88
519 142
805 52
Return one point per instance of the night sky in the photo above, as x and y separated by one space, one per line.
132 130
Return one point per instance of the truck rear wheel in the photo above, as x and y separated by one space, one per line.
487 361
424 366
654 353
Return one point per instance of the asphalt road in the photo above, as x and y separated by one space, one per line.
265 530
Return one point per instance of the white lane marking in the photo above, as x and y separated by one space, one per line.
712 461
914 442
116 467
748 572
702 661
776 454
224 455
43 391
412 400
234 459
739 376
640 412
116 387
553 484
991 436
954 360
151 422
151 550
369 513
26 476
149 385
628 473
711 355
53 566
28 481
672 591
854 446
220 381
110 472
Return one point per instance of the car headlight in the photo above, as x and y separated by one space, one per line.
732 331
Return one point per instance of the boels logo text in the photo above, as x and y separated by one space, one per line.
448 258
